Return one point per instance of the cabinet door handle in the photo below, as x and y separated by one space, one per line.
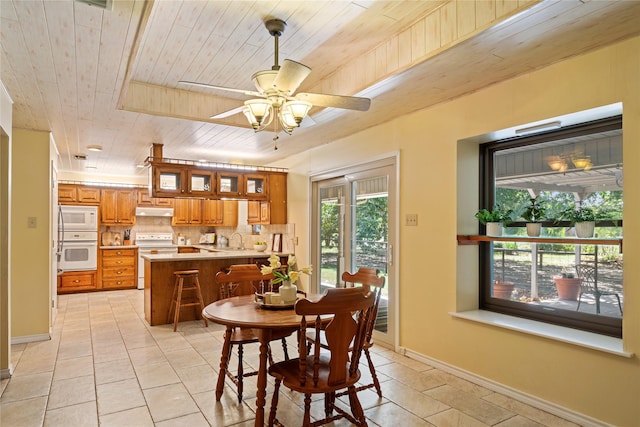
119 272
76 281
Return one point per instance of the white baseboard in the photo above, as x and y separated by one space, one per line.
5 373
520 396
30 338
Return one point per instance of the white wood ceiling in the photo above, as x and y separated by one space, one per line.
109 77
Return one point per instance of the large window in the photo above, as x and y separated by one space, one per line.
556 278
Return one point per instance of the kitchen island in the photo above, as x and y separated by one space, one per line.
159 278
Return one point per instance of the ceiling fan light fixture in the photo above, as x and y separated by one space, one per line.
259 109
263 80
287 120
297 109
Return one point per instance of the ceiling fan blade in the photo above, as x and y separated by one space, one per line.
228 89
335 101
290 76
228 113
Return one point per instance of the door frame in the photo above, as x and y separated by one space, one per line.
386 160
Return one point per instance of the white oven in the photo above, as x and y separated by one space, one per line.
152 243
79 251
79 218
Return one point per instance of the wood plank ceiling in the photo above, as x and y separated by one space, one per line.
109 77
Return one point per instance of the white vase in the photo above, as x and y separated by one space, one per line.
287 292
494 229
585 229
533 229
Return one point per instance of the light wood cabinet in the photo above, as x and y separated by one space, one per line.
258 212
187 212
77 281
119 268
220 213
168 181
74 194
273 211
255 186
213 212
201 183
188 250
118 207
230 184
277 198
144 199
230 213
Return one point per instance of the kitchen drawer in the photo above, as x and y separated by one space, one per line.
76 281
118 262
121 283
118 272
110 253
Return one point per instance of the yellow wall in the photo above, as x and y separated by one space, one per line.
30 247
590 382
6 118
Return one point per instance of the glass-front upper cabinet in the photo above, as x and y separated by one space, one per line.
201 182
230 184
167 181
255 186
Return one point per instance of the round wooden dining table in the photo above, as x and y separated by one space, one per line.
243 311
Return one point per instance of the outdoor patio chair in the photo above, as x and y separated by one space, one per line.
589 285
326 371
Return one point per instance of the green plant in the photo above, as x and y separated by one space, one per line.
534 211
580 214
498 214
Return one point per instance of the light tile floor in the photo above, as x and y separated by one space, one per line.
105 366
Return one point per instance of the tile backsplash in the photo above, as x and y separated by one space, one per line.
248 232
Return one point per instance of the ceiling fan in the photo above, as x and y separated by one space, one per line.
275 93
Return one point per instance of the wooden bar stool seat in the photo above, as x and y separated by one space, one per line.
193 297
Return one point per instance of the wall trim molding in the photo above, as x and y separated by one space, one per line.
529 399
30 338
5 373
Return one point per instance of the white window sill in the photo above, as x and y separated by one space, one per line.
554 332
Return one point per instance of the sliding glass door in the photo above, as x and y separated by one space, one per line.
353 224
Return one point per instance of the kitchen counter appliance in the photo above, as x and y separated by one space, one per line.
152 243
77 238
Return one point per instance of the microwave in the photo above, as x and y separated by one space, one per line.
78 218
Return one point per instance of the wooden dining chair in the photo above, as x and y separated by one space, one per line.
370 280
327 369
242 279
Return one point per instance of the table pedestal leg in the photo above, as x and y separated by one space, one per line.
224 363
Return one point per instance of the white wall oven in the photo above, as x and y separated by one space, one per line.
79 251
78 238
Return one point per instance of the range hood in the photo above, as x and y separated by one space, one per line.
143 211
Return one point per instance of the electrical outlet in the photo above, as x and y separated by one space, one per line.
411 219
32 222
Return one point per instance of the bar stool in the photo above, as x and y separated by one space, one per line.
194 300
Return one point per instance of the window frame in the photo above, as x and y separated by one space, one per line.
588 322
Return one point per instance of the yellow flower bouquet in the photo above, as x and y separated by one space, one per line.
275 268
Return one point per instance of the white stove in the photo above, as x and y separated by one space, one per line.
154 239
152 243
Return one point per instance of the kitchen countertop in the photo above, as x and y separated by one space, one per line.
217 254
119 247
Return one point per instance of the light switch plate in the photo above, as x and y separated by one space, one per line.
411 219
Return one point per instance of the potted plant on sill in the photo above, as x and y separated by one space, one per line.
583 218
568 286
534 214
494 219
